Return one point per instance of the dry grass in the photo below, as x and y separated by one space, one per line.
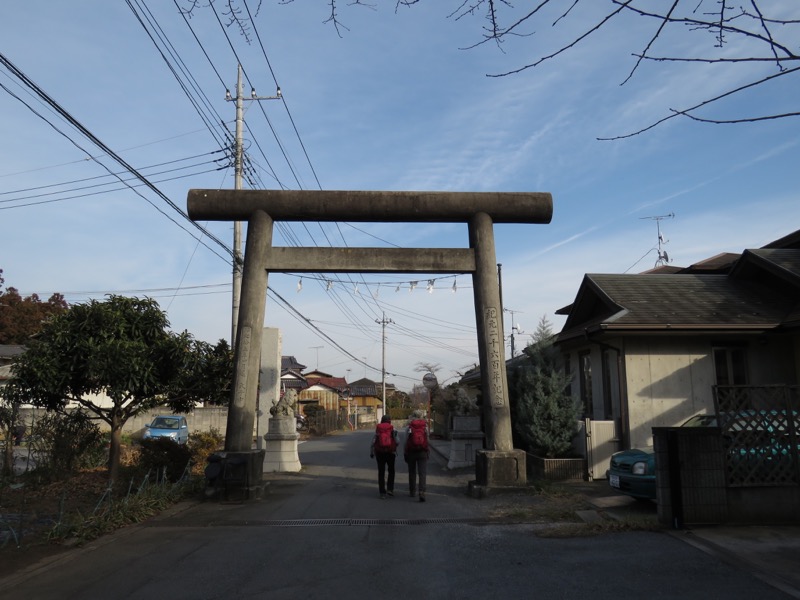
556 506
39 519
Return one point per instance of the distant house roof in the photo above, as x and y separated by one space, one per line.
335 383
289 363
293 380
721 263
364 387
316 374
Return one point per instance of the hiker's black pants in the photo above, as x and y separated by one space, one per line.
385 462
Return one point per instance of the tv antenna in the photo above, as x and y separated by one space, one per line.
663 257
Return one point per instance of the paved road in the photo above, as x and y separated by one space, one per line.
324 533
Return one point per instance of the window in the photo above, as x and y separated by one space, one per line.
585 364
608 390
730 365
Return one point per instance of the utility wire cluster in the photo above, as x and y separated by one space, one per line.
360 310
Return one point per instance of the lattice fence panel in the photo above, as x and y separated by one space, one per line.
761 433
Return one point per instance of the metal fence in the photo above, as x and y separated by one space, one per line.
321 422
760 428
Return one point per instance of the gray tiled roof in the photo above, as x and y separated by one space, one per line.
783 262
680 301
365 387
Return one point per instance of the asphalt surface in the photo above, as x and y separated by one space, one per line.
324 533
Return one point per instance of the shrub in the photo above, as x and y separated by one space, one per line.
63 443
165 458
311 410
201 445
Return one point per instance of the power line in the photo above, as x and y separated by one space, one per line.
95 140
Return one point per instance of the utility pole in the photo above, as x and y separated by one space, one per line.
238 177
514 328
383 322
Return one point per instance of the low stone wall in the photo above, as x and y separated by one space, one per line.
200 419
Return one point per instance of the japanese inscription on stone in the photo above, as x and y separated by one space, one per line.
245 339
494 339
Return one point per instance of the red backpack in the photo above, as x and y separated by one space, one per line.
385 441
417 439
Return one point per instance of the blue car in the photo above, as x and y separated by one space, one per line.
633 472
173 427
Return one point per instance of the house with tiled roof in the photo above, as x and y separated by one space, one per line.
366 394
647 350
324 389
293 380
289 363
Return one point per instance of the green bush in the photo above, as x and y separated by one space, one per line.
164 458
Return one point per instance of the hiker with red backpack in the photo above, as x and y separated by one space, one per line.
383 449
416 452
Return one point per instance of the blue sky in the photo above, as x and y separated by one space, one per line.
394 103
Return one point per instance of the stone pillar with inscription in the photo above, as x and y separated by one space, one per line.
499 465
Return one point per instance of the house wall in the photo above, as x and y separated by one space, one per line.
670 378
325 398
668 381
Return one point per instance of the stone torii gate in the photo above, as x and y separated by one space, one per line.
499 464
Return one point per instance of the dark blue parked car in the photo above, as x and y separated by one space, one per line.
633 472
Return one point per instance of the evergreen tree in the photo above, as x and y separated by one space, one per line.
546 417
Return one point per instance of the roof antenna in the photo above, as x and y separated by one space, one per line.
663 257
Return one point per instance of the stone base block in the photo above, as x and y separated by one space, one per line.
498 470
237 472
281 453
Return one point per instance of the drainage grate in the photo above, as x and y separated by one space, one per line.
349 522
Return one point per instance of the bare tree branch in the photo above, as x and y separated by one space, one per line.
750 35
686 112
